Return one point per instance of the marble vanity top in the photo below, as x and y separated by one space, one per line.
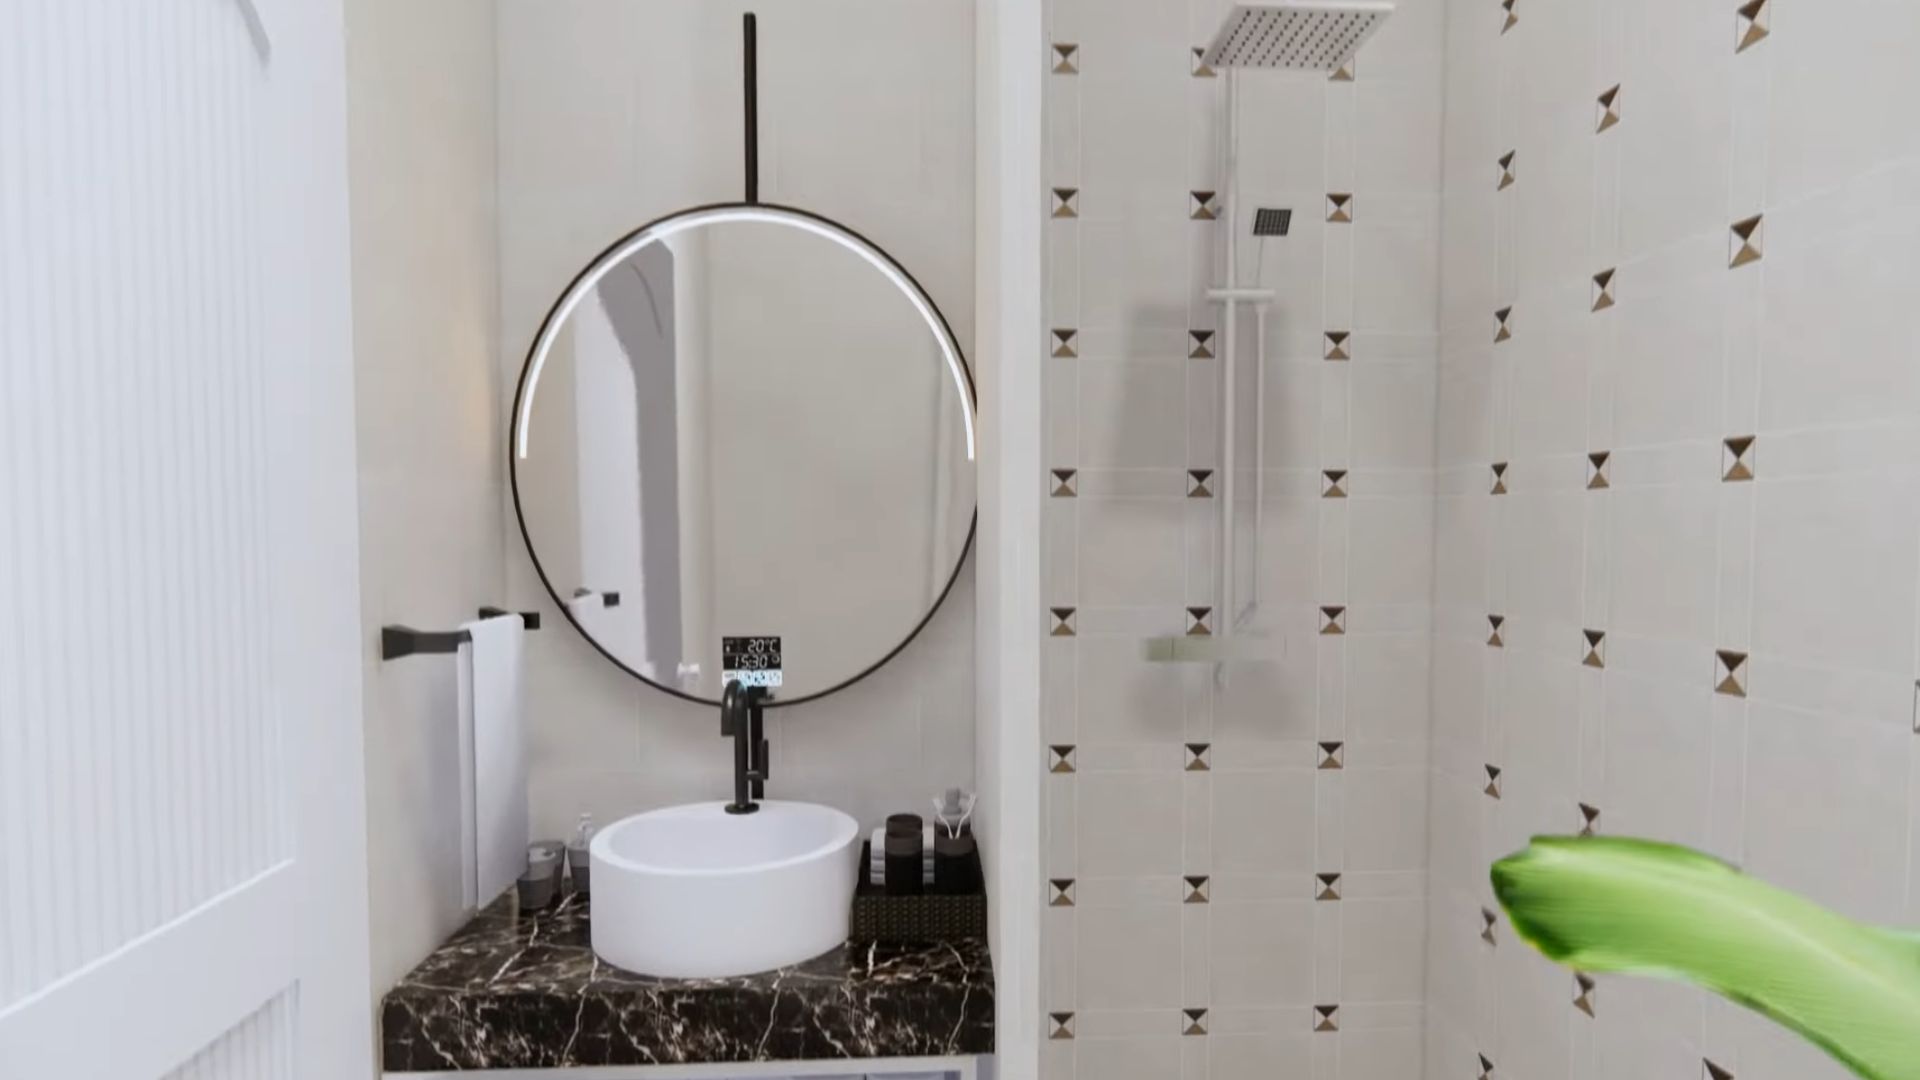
513 990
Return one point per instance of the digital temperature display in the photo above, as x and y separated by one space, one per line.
753 661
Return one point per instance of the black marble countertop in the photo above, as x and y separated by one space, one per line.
516 991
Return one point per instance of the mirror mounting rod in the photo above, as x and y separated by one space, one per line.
750 47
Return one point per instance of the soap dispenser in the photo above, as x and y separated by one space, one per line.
577 854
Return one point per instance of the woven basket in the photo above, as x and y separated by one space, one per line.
927 917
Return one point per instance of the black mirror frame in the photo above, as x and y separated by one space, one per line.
520 390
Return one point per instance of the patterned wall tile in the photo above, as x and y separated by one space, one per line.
1603 290
1730 673
1333 620
1597 470
1594 648
1736 458
1608 109
1128 282
1745 240
1750 24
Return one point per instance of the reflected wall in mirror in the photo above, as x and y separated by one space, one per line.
745 420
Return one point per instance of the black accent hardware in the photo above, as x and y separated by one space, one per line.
742 720
529 619
607 599
399 641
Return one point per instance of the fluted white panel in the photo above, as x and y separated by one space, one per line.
259 1048
137 740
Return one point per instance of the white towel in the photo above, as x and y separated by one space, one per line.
494 766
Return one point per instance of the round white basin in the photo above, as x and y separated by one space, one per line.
695 892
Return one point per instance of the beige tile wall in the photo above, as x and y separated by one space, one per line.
1228 859
1753 692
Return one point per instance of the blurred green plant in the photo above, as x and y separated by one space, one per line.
1612 904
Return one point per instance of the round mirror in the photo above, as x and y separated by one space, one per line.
743 445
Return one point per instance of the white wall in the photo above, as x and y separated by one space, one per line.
425 297
1809 568
611 114
1134 129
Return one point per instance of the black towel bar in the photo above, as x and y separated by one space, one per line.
399 641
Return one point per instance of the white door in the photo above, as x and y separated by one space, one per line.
182 864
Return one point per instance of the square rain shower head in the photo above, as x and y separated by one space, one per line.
1318 36
1272 221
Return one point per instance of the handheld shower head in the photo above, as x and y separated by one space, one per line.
1318 36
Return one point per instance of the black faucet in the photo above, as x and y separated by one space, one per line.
741 720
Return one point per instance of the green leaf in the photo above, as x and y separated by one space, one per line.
1609 904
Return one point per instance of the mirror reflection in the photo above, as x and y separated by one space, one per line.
748 423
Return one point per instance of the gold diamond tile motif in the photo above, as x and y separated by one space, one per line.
1736 458
1749 25
1609 114
1744 241
1597 470
1603 290
1730 673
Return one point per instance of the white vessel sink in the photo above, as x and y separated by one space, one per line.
696 892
